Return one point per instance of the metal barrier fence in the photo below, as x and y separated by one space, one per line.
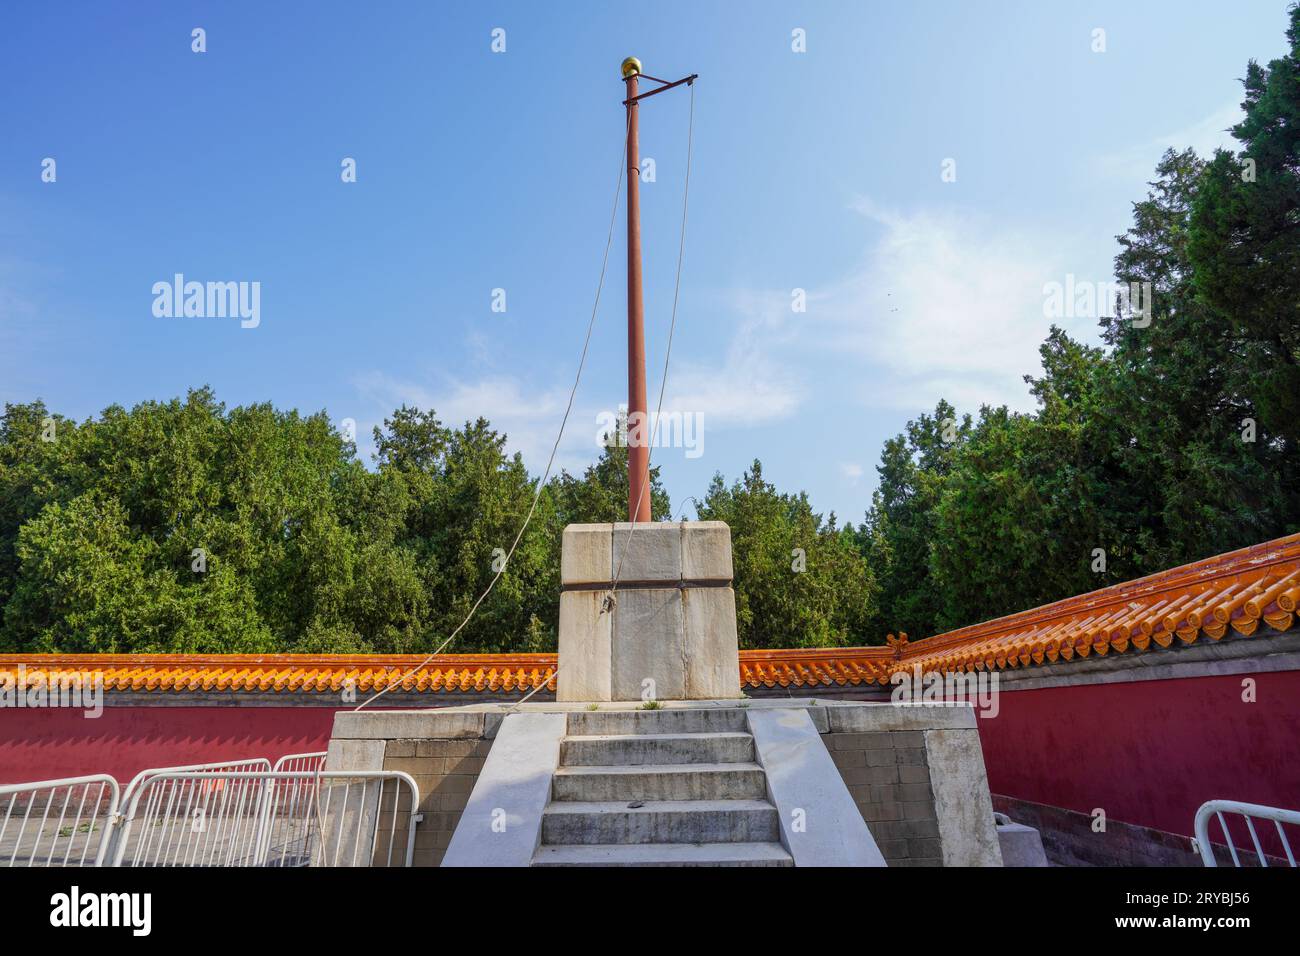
1250 812
322 818
297 763
237 813
65 822
226 766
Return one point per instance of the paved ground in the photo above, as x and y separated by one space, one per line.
166 843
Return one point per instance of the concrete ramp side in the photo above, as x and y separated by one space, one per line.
820 823
962 802
502 823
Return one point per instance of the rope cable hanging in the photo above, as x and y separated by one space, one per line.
610 597
541 483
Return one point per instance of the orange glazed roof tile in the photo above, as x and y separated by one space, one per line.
450 673
1206 599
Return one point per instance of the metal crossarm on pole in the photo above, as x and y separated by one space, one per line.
688 80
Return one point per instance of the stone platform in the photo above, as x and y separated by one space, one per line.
762 782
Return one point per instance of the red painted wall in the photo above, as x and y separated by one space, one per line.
43 744
1148 752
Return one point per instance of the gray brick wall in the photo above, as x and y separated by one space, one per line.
887 774
442 750
445 771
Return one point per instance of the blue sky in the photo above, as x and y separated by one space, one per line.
817 170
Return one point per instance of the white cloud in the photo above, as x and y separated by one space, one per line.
1138 160
945 306
746 388
749 387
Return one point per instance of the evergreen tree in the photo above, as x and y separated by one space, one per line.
799 579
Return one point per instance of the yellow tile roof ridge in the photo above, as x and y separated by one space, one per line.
1203 597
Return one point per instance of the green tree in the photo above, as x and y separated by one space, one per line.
183 526
1243 242
465 501
1181 394
899 529
800 580
1025 501
601 494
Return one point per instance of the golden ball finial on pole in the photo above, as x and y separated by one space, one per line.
631 67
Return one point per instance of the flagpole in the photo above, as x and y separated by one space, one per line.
638 451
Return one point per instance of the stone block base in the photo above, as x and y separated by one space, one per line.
914 773
670 633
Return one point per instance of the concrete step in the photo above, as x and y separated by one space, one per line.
687 720
680 781
621 750
665 854
660 821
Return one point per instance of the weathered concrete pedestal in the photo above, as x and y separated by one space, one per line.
670 633
835 783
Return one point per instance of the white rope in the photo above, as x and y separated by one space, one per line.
541 484
610 597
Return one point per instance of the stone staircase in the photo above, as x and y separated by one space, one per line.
659 788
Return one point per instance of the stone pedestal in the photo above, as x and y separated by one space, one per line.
671 634
1021 845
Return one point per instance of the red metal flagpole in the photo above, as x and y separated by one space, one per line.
638 452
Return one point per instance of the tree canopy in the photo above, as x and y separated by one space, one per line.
188 527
